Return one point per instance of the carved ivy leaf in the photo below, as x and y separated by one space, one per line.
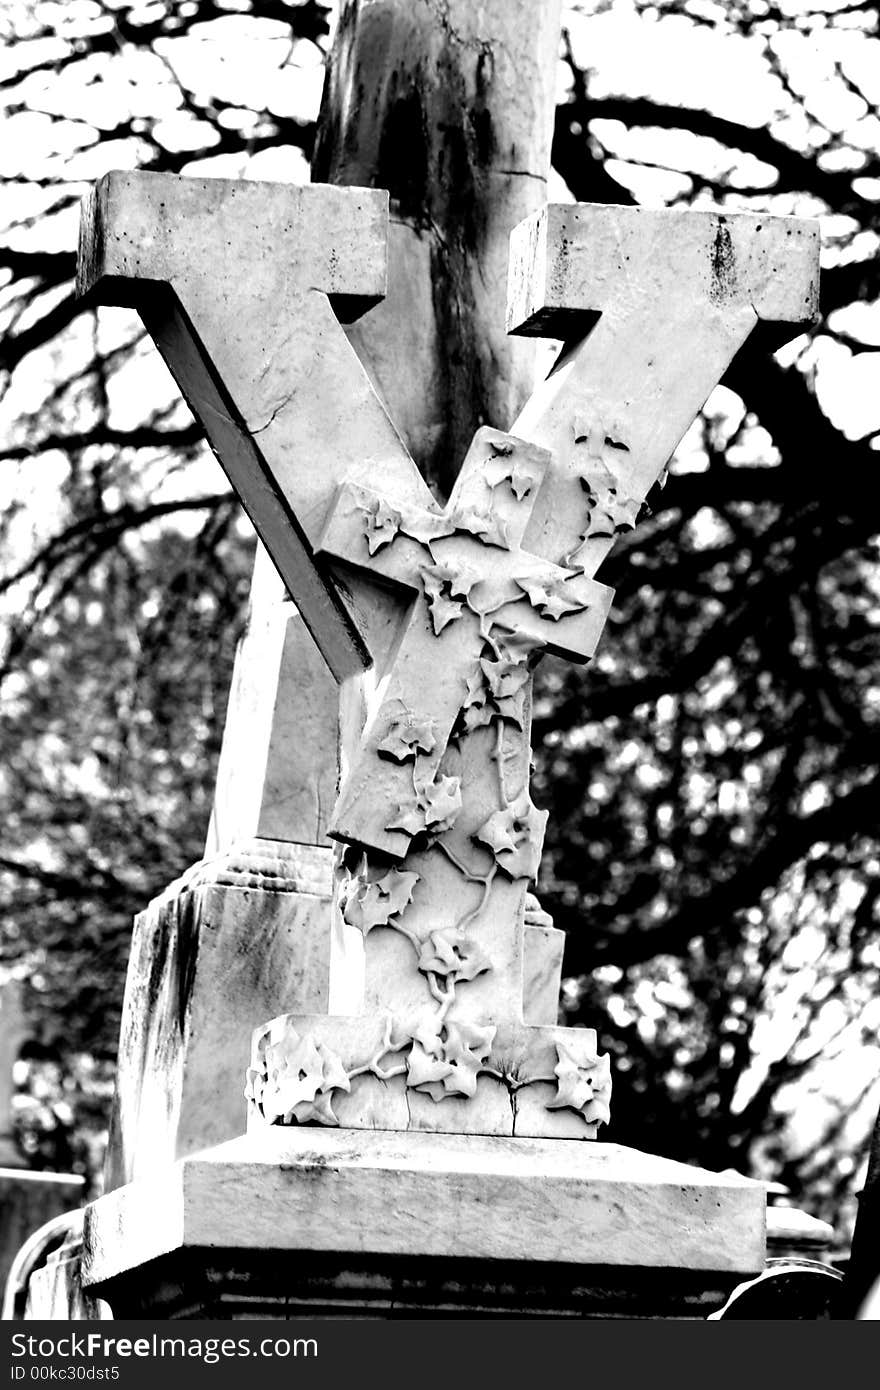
441 800
446 584
504 677
319 1110
549 596
443 610
301 1076
476 689
521 480
474 962
427 1033
466 1048
438 955
422 1068
254 1085
296 1068
502 694
477 711
497 833
425 526
409 817
516 647
335 1076
583 1081
461 960
509 469
373 904
435 1089
611 511
515 835
433 808
477 717
381 524
484 525
408 735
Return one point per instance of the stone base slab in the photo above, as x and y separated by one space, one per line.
296 1222
233 940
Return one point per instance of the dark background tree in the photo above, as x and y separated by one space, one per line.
712 849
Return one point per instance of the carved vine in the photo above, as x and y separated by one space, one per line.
443 1056
610 511
297 1077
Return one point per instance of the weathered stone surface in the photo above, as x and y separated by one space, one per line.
507 1078
236 938
55 1292
611 413
430 1196
794 1233
465 574
498 118
435 754
450 107
56 1295
654 305
28 1200
543 946
278 768
275 392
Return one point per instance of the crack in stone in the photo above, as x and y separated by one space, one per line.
440 9
520 173
275 413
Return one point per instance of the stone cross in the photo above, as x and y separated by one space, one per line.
471 586
446 608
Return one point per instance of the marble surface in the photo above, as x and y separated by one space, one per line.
436 1195
234 940
447 608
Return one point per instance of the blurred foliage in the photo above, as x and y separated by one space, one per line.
713 842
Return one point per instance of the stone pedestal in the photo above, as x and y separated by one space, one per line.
28 1200
286 1223
55 1292
232 939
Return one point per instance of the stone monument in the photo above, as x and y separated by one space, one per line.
421 1133
28 1197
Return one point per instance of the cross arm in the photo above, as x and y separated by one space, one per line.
559 610
569 263
465 577
240 285
653 305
